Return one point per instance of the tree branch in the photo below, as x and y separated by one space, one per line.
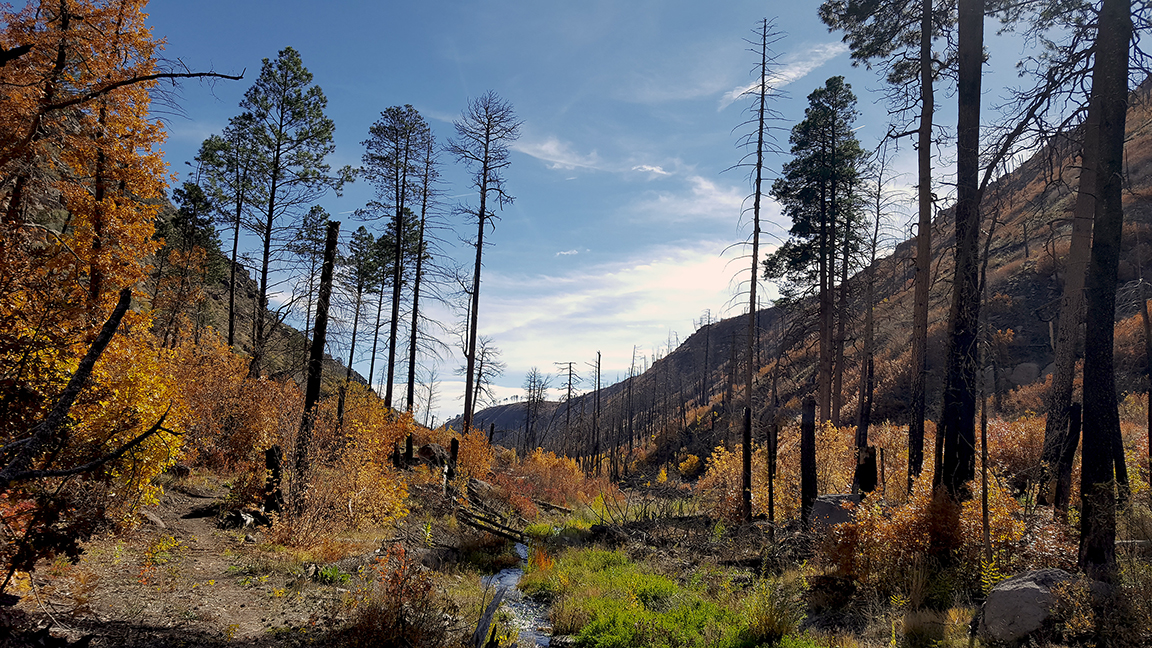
47 429
99 92
96 463
13 54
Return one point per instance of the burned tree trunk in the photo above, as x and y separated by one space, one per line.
315 371
807 460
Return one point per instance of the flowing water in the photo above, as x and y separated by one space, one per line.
529 617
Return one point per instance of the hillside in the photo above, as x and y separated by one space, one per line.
287 352
684 395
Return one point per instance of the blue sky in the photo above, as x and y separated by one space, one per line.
624 209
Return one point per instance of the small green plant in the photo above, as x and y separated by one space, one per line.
718 531
775 607
798 641
539 531
428 533
332 575
605 599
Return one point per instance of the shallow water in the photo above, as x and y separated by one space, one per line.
528 616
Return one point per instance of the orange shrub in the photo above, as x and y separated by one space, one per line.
542 475
1014 449
835 465
233 418
884 547
398 605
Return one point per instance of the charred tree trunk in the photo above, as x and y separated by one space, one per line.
923 251
958 457
1063 490
1099 466
1068 337
807 461
315 372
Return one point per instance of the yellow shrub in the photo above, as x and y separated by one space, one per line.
690 467
133 389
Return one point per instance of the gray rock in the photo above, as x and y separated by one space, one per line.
1020 606
1025 373
243 519
433 454
828 510
153 519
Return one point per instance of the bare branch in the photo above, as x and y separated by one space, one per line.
157 428
47 429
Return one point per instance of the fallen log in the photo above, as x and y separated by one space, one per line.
491 526
551 507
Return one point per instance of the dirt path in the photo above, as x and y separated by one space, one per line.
182 581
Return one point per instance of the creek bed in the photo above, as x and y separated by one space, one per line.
529 617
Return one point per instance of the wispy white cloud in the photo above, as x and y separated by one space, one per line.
792 69
558 154
192 131
567 253
651 169
537 319
704 199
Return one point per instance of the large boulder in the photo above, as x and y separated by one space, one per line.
1025 373
433 454
1020 606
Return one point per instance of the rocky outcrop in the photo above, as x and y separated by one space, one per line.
1020 606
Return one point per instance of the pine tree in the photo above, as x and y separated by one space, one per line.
291 132
819 191
395 147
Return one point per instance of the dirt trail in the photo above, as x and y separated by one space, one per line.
186 582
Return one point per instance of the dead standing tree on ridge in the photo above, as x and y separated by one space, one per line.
483 134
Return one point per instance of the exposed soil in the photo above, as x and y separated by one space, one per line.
186 583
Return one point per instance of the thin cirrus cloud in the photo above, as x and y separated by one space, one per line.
651 169
705 199
558 154
792 69
537 319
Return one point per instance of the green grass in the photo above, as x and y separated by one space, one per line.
540 531
608 601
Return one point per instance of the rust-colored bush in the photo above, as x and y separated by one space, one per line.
399 605
234 418
885 546
542 475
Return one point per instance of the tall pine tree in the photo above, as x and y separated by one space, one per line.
819 191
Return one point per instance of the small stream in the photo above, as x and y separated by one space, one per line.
528 616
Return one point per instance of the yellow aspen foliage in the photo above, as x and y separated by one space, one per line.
475 457
721 486
134 388
374 489
352 483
